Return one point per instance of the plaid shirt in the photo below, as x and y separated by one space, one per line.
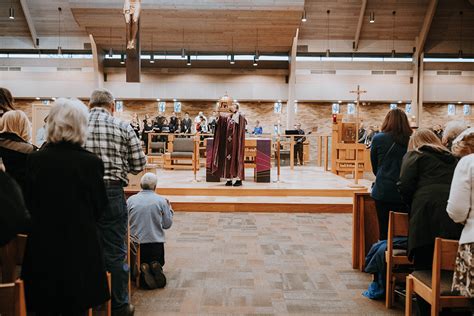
116 144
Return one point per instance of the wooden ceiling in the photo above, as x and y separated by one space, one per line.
196 30
210 25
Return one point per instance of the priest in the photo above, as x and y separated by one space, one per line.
229 143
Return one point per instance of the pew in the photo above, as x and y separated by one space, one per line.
434 286
365 229
12 299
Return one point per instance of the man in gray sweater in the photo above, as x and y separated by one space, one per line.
149 215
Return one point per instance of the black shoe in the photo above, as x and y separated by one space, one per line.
160 277
237 183
127 310
228 183
147 276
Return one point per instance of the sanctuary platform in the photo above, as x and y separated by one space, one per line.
303 189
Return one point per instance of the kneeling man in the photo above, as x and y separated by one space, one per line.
149 215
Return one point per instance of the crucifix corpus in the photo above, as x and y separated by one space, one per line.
131 11
356 163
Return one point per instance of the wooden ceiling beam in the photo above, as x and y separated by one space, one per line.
425 28
29 21
359 24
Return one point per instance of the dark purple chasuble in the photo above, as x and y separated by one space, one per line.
229 147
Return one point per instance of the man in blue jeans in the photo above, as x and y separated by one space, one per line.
115 142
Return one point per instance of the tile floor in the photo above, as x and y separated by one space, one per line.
260 264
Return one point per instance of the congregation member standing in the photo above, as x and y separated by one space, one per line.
460 209
15 136
425 180
150 214
6 101
115 142
186 124
386 154
63 267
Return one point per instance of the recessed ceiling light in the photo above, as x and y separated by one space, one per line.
37 98
459 102
399 101
174 100
158 99
339 101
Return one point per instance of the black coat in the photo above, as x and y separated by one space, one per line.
64 266
386 165
425 181
14 151
14 217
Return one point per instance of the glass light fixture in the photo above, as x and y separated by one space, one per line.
188 63
372 17
303 17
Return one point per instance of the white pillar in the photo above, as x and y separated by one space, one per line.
290 104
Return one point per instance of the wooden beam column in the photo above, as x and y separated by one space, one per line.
290 104
98 60
29 21
359 25
133 64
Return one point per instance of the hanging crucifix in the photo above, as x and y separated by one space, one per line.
356 163
131 11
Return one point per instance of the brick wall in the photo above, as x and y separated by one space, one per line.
310 115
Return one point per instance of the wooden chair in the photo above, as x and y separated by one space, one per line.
397 227
182 149
107 306
12 299
11 255
434 286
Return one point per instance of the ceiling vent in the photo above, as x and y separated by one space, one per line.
323 72
384 72
449 72
302 48
10 68
68 69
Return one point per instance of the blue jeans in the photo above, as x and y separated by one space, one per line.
113 230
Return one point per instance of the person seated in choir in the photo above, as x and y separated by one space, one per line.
14 217
200 123
299 140
460 209
451 131
438 130
257 130
6 101
186 124
41 133
135 124
212 122
64 268
173 123
147 129
149 215
15 137
386 155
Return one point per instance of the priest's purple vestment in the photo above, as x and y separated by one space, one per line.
229 147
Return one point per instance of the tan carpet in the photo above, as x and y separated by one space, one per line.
260 264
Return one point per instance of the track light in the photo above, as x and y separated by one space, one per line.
328 53
255 61
111 53
257 55
303 17
122 59
460 54
188 63
60 50
183 53
152 58
372 17
232 59
393 53
12 13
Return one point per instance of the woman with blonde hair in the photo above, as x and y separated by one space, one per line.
460 209
15 136
425 180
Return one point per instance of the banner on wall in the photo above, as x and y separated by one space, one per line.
467 109
296 107
408 108
335 108
351 109
161 107
393 106
118 106
451 109
277 107
177 107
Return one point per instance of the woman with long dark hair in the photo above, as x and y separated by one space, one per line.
6 101
386 154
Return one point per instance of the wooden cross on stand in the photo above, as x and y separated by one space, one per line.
356 163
